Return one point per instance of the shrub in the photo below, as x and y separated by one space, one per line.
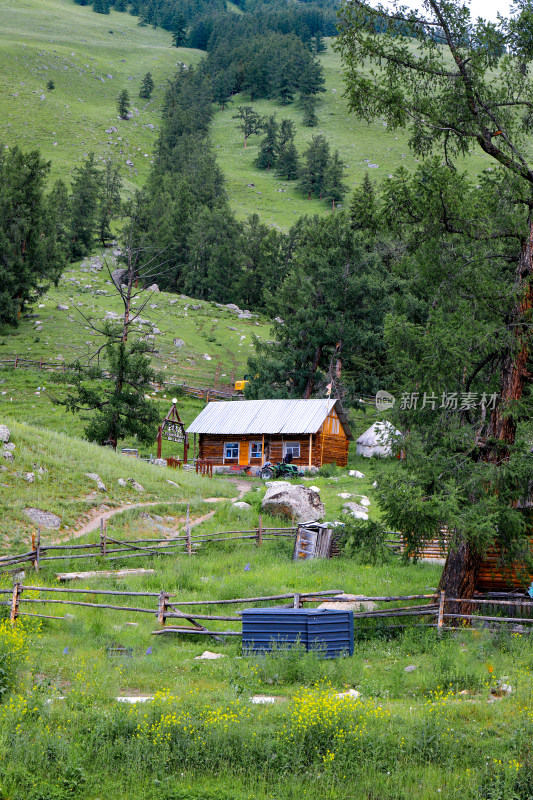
365 540
13 653
328 470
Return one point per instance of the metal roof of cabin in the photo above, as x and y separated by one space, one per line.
265 416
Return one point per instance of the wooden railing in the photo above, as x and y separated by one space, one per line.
135 548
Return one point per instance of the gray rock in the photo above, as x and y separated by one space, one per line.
172 302
232 307
135 485
196 308
4 433
9 446
44 519
410 668
118 276
30 477
111 315
179 343
356 511
153 288
354 473
62 307
100 485
159 462
8 455
300 502
241 505
122 482
279 320
172 483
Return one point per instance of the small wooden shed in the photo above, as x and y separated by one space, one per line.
247 433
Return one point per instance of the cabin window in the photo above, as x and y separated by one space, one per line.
291 449
231 450
256 450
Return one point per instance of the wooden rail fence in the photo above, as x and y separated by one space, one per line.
201 392
170 606
136 548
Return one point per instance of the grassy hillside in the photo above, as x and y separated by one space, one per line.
363 147
216 343
90 58
59 464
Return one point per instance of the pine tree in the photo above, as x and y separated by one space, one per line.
287 163
310 118
101 6
123 104
120 406
28 256
319 46
108 201
286 87
222 87
311 80
121 5
333 301
314 168
83 207
147 86
364 207
179 31
334 187
269 145
50 85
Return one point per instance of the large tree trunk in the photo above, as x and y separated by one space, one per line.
311 379
498 434
459 577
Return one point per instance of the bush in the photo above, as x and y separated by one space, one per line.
13 653
365 540
328 470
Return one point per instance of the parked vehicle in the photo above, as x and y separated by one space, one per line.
271 471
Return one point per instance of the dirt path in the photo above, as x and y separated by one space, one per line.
241 486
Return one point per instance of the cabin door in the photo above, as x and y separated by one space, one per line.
244 455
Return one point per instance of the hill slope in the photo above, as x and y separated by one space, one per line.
90 58
363 147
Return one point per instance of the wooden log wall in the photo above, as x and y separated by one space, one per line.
329 448
325 449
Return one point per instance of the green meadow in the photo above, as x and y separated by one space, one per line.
90 58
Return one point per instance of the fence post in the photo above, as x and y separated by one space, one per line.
440 618
103 537
296 603
188 533
17 591
260 532
162 607
37 550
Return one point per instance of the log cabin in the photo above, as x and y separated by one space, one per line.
247 433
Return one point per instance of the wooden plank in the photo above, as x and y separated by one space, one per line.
117 573
196 631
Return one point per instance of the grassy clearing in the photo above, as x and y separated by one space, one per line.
360 145
90 58
410 734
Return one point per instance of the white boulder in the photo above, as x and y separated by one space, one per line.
301 502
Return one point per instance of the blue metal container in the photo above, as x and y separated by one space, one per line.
330 633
